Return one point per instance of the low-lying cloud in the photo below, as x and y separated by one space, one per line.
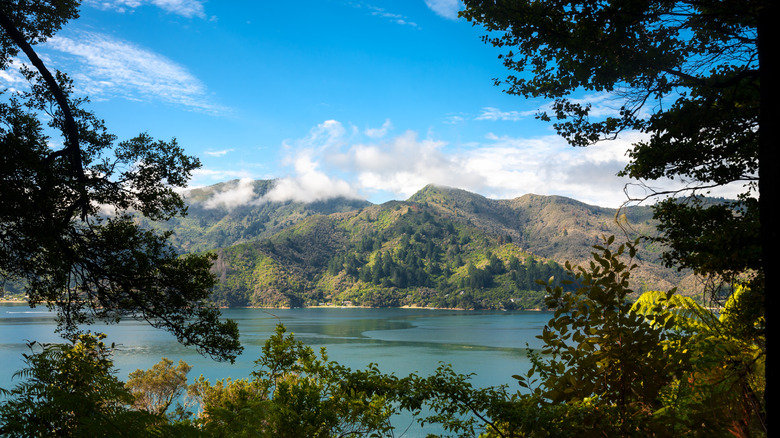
334 160
236 195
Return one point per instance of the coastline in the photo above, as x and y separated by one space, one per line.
23 301
369 307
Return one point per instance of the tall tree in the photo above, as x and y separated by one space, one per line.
694 78
67 224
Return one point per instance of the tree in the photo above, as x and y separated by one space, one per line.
608 366
296 393
695 78
155 390
71 390
67 224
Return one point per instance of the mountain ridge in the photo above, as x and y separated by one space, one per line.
442 247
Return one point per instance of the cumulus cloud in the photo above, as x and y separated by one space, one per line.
549 166
108 67
185 8
310 187
336 162
307 182
405 164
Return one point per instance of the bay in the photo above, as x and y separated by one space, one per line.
490 344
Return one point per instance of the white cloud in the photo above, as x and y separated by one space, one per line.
185 8
205 176
379 132
238 194
490 113
218 153
109 67
549 166
444 8
395 18
311 186
308 183
454 119
11 79
601 105
405 164
335 161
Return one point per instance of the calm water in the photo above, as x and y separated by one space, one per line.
492 345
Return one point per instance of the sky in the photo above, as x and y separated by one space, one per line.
367 99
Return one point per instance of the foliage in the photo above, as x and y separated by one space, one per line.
686 75
694 78
297 393
36 20
155 390
692 64
662 366
599 351
723 390
711 238
70 390
67 227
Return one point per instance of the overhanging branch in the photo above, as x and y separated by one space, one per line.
70 128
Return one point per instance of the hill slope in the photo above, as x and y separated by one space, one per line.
443 247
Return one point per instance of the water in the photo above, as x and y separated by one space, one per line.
490 344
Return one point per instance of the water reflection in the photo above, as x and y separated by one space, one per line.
401 341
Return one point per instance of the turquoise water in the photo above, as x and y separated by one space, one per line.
490 344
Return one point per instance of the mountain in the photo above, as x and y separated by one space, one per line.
442 247
210 225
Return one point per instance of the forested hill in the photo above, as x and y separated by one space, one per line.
211 224
442 247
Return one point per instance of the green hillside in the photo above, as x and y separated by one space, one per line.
442 248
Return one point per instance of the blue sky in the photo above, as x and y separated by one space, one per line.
371 99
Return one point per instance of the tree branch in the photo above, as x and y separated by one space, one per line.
70 129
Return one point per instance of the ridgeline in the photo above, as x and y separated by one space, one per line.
442 247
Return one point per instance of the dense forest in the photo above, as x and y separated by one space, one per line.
402 256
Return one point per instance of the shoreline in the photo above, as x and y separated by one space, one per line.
389 307
22 301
